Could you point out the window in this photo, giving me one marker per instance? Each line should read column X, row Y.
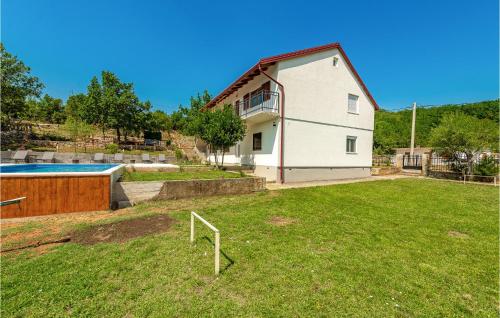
column 238, row 150
column 352, row 104
column 257, row 141
column 256, row 97
column 246, row 101
column 266, row 87
column 350, row 145
column 237, row 107
column 335, row 61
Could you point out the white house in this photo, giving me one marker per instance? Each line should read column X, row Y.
column 309, row 116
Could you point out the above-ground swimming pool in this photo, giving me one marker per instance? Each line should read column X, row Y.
column 51, row 188
column 55, row 168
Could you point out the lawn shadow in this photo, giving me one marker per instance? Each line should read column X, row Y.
column 229, row 259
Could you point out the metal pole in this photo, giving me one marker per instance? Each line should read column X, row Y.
column 413, row 128
column 217, row 253
column 192, row 228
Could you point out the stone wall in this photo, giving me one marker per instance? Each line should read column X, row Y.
column 383, row 171
column 67, row 157
column 177, row 189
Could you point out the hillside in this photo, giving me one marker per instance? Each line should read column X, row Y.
column 393, row 129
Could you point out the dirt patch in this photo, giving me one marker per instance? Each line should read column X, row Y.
column 457, row 234
column 123, row 231
column 281, row 221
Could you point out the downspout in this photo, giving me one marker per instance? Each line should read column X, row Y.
column 282, row 117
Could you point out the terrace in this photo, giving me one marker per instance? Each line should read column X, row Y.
column 259, row 106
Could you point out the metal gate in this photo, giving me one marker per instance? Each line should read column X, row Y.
column 412, row 162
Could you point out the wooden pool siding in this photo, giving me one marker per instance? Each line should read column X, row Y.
column 54, row 194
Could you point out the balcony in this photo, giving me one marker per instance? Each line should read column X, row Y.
column 258, row 107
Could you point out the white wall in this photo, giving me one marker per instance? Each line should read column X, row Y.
column 317, row 95
column 268, row 156
column 317, row 91
column 313, row 145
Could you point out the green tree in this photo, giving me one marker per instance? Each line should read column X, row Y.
column 159, row 121
column 75, row 106
column 462, row 136
column 93, row 111
column 51, row 110
column 113, row 104
column 78, row 130
column 183, row 118
column 393, row 129
column 17, row 84
column 220, row 129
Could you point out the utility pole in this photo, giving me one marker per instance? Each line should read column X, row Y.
column 413, row 128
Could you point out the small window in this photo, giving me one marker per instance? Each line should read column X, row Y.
column 352, row 104
column 225, row 149
column 350, row 145
column 335, row 61
column 237, row 107
column 257, row 141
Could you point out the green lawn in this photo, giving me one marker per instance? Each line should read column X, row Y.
column 404, row 248
column 185, row 175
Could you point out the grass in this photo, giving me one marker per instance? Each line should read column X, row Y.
column 185, row 175
column 372, row 249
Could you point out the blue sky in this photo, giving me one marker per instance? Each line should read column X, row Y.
column 432, row 52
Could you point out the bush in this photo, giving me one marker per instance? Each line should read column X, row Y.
column 112, row 148
column 488, row 166
column 178, row 154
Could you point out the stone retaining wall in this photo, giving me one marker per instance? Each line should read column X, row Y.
column 177, row 189
column 383, row 171
column 67, row 157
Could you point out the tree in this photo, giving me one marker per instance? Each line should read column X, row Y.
column 93, row 111
column 17, row 84
column 78, row 129
column 75, row 106
column 393, row 129
column 183, row 118
column 113, row 104
column 220, row 129
column 460, row 137
column 159, row 121
column 51, row 110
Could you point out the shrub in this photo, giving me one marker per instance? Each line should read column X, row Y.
column 112, row 148
column 488, row 166
column 178, row 154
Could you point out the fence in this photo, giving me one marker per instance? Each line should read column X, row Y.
column 383, row 161
column 480, row 170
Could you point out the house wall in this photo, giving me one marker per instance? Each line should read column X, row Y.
column 317, row 121
column 264, row 161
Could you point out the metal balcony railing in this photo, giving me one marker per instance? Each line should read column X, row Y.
column 263, row 101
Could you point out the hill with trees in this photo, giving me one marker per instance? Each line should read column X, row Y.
column 393, row 129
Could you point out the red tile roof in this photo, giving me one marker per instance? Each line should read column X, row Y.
column 268, row 61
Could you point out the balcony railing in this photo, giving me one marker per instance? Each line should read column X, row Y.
column 263, row 101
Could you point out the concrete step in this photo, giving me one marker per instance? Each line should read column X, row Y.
column 411, row 172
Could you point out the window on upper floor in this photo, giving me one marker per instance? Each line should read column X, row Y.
column 257, row 141
column 335, row 61
column 237, row 107
column 350, row 144
column 352, row 104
